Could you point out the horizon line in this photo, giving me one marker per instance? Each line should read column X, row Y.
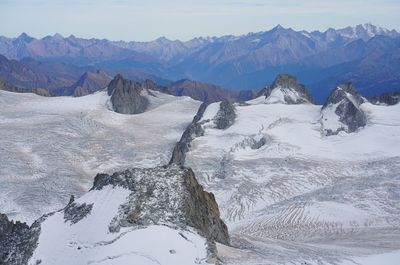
column 198, row 37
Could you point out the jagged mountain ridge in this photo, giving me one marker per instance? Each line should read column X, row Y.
column 286, row 89
column 164, row 48
column 239, row 62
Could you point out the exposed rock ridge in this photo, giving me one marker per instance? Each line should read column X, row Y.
column 344, row 102
column 193, row 130
column 292, row 91
column 166, row 195
column 126, row 96
column 225, row 116
column 17, row 241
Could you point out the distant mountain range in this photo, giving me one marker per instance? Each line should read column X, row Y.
column 367, row 55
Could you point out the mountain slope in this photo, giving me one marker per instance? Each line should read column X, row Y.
column 117, row 221
column 207, row 92
column 364, row 54
column 291, row 195
column 90, row 82
column 53, row 147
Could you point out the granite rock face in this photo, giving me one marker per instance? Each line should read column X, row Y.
column 166, row 195
column 17, row 241
column 192, row 131
column 126, row 96
column 225, row 116
column 286, row 89
column 344, row 102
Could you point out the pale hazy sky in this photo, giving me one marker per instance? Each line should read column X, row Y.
column 185, row 19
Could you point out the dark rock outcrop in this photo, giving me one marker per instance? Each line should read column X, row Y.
column 389, row 98
column 17, row 241
column 166, row 195
column 75, row 212
column 225, row 116
column 193, row 130
column 126, row 96
column 294, row 93
column 345, row 101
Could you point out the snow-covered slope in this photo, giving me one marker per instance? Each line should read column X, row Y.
column 290, row 194
column 141, row 216
column 51, row 148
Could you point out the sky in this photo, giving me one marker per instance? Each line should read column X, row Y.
column 185, row 19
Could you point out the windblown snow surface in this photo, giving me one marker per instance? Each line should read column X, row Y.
column 51, row 148
column 291, row 195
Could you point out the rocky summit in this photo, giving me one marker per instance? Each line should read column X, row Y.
column 126, row 96
column 166, row 195
column 342, row 110
column 286, row 89
column 119, row 206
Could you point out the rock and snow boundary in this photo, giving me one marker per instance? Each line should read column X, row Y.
column 139, row 216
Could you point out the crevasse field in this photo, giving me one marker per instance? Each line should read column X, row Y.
column 52, row 148
column 289, row 194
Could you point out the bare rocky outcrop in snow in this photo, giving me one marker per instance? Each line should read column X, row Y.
column 193, row 130
column 225, row 116
column 166, row 195
column 75, row 212
column 17, row 241
column 286, row 89
column 342, row 112
column 126, row 96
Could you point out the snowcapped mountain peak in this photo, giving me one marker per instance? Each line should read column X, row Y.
column 286, row 89
column 365, row 32
column 342, row 112
column 345, row 91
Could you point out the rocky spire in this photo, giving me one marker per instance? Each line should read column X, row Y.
column 286, row 89
column 126, row 96
column 342, row 112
